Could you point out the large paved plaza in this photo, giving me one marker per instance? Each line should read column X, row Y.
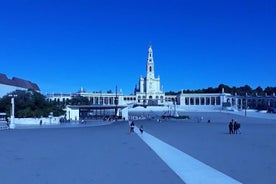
column 110, row 154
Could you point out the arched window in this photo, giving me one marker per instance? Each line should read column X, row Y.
column 213, row 100
column 105, row 100
column 162, row 99
column 202, row 101
column 233, row 101
column 218, row 100
column 187, row 101
column 139, row 99
column 191, row 101
column 197, row 101
column 208, row 101
column 150, row 68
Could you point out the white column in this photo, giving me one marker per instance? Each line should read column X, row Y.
column 12, row 125
column 200, row 100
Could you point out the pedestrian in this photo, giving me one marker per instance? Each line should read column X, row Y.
column 238, row 128
column 235, row 127
column 141, row 129
column 40, row 122
column 230, row 127
column 132, row 127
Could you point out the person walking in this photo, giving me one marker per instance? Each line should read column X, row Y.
column 230, row 126
column 132, row 125
column 238, row 128
column 141, row 129
column 235, row 127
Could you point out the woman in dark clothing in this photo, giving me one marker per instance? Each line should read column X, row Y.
column 230, row 127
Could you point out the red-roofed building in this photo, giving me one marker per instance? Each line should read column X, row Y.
column 9, row 85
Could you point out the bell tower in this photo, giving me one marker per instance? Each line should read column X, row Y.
column 150, row 64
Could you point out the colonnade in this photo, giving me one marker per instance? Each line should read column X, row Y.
column 217, row 99
column 202, row 100
column 253, row 102
column 100, row 100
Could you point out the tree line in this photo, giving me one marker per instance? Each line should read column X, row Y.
column 242, row 91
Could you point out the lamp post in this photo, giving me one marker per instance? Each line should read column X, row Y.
column 245, row 104
column 12, row 125
column 116, row 103
column 175, row 112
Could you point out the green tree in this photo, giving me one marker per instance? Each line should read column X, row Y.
column 79, row 100
column 270, row 90
column 29, row 104
column 259, row 90
column 232, row 90
column 226, row 88
column 171, row 93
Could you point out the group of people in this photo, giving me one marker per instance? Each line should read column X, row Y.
column 132, row 126
column 234, row 127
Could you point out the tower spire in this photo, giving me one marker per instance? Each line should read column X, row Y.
column 150, row 63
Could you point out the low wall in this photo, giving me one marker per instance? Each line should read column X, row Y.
column 36, row 121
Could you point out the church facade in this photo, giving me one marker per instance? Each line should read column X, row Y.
column 149, row 90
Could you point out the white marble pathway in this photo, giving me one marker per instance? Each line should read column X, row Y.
column 189, row 169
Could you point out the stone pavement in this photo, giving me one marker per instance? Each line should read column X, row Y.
column 110, row 154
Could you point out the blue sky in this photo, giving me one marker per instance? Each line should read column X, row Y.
column 63, row 45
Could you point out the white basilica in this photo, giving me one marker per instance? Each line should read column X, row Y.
column 149, row 91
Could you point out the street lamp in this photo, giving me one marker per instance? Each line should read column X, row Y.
column 12, row 125
column 116, row 103
column 245, row 104
column 175, row 112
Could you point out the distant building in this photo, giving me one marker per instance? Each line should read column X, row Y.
column 9, row 85
column 149, row 90
column 149, row 93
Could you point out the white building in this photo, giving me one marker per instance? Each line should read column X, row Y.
column 149, row 91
